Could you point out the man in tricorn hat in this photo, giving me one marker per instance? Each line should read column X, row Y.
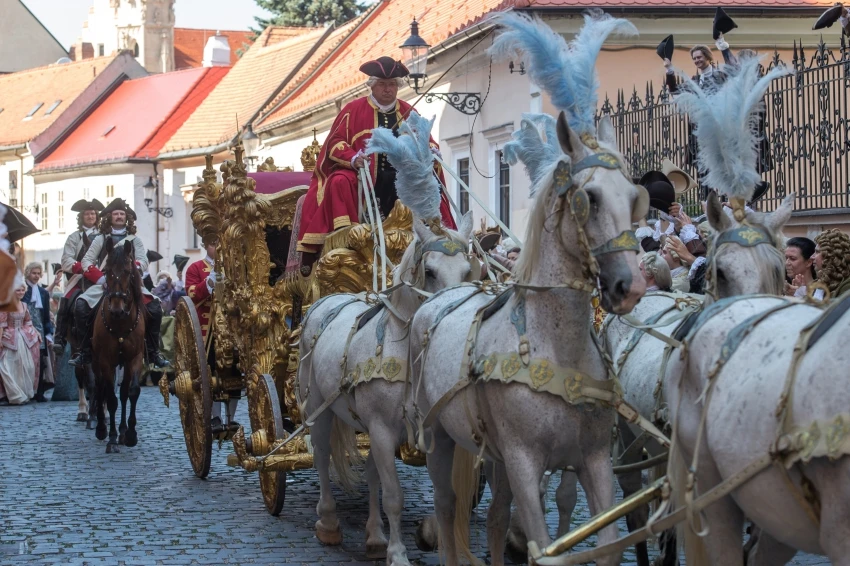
column 332, row 201
column 75, row 249
column 117, row 221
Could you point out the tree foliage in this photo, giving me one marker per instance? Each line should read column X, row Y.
column 307, row 12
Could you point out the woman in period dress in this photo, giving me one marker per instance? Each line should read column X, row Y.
column 19, row 354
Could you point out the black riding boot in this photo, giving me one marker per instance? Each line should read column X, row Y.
column 152, row 330
column 63, row 316
column 82, row 331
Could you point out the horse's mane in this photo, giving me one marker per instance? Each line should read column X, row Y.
column 115, row 265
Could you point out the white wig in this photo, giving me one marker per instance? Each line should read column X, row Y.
column 370, row 82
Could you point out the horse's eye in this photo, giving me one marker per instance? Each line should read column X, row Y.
column 720, row 275
column 429, row 273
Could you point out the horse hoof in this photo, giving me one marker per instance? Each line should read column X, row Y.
column 426, row 534
column 328, row 537
column 112, row 448
column 90, row 425
column 121, row 439
column 376, row 551
column 100, row 433
column 82, row 417
column 513, row 551
column 131, row 438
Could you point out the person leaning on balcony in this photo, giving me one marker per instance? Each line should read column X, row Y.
column 708, row 78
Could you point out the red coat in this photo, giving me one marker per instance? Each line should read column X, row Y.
column 197, row 290
column 331, row 201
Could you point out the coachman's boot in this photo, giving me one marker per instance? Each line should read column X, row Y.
column 82, row 330
column 152, row 330
column 63, row 315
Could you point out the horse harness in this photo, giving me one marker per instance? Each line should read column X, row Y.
column 389, row 368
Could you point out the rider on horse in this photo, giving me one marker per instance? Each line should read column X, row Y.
column 75, row 249
column 117, row 222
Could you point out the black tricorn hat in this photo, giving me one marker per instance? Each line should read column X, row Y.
column 153, row 256
column 488, row 240
column 722, row 24
column 384, row 68
column 760, row 190
column 119, row 204
column 829, row 17
column 56, row 267
column 82, row 205
column 180, row 261
column 662, row 195
column 665, row 48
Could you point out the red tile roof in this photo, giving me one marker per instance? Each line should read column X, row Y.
column 135, row 120
column 20, row 92
column 245, row 89
column 189, row 45
column 385, row 29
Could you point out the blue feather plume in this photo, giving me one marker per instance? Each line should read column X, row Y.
column 567, row 72
column 410, row 155
column 726, row 126
column 536, row 145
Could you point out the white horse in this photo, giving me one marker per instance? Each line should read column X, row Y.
column 738, row 270
column 354, row 369
column 545, row 327
column 762, row 406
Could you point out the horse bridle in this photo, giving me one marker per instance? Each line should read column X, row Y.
column 745, row 235
column 125, row 297
column 578, row 205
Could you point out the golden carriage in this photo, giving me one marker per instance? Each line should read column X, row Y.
column 255, row 318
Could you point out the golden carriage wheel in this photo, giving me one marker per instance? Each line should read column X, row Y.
column 264, row 410
column 192, row 386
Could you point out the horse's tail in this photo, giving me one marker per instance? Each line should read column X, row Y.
column 345, row 455
column 694, row 545
column 465, row 477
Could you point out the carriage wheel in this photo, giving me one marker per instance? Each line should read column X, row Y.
column 192, row 386
column 264, row 409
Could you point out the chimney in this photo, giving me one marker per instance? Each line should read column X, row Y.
column 81, row 50
column 217, row 52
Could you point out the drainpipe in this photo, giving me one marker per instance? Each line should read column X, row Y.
column 156, row 203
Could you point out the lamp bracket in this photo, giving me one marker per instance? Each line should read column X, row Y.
column 468, row 103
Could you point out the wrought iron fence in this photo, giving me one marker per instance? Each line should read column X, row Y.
column 807, row 132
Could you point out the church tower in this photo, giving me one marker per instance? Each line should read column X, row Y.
column 145, row 27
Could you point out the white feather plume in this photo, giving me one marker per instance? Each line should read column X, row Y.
column 536, row 145
column 726, row 126
column 410, row 155
column 567, row 72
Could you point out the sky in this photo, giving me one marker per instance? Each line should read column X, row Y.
column 64, row 18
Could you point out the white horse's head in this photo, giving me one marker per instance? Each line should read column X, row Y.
column 746, row 258
column 581, row 221
column 438, row 259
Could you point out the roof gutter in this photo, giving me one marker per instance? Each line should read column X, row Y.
column 671, row 11
column 466, row 34
column 197, row 151
column 316, row 108
column 14, row 146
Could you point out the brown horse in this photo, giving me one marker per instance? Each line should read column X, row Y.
column 119, row 341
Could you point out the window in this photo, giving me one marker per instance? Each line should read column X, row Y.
column 110, row 191
column 463, row 173
column 86, row 192
column 53, row 107
column 61, row 217
column 61, row 195
column 34, row 110
column 100, row 50
column 135, row 49
column 43, row 210
column 504, row 190
column 13, row 188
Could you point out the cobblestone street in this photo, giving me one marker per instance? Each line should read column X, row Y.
column 65, row 501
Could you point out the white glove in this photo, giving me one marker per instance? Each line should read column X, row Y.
column 721, row 43
column 844, row 20
column 436, row 151
column 101, row 281
column 669, row 66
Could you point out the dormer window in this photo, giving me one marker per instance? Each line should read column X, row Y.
column 53, row 107
column 33, row 111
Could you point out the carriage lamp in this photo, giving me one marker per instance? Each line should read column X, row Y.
column 251, row 143
column 415, row 51
column 151, row 190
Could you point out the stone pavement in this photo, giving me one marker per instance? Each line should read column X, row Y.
column 65, row 501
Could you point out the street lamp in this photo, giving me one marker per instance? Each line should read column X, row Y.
column 251, row 143
column 151, row 190
column 415, row 51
